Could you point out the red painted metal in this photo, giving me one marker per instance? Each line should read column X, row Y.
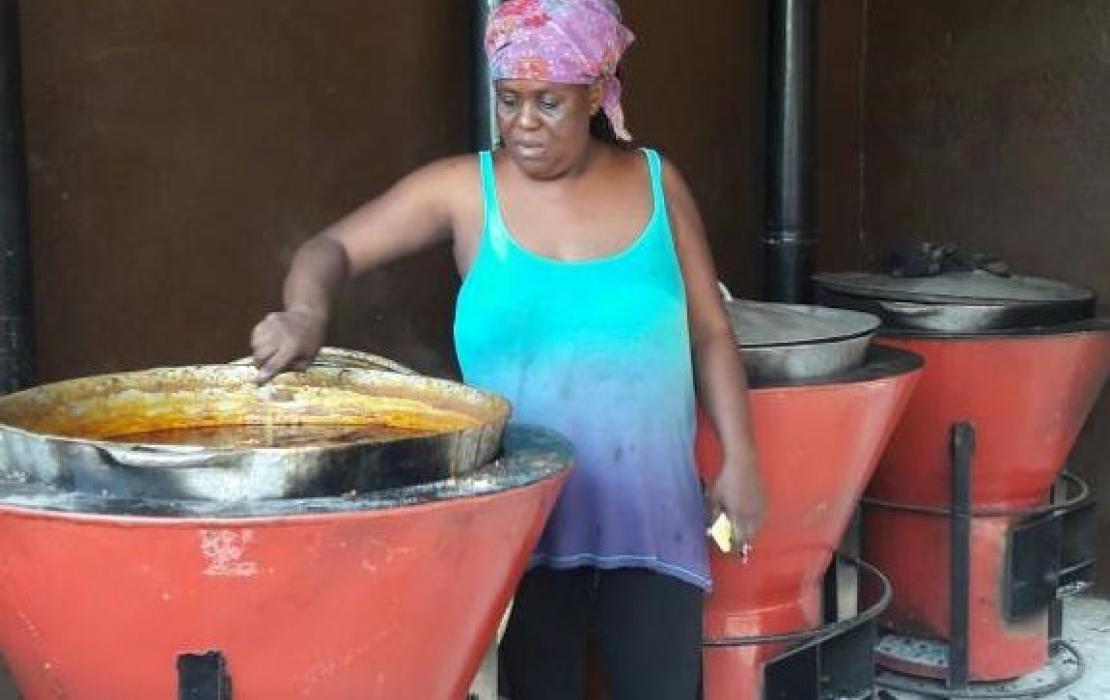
column 818, row 446
column 1028, row 397
column 395, row 603
column 913, row 551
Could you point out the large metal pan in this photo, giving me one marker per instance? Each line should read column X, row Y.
column 74, row 434
column 956, row 302
column 787, row 343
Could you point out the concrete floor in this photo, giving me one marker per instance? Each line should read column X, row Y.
column 1086, row 624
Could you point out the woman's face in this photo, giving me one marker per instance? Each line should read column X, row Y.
column 545, row 127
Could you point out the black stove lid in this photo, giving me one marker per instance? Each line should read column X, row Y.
column 977, row 287
column 962, row 303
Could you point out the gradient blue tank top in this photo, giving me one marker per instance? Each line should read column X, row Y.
column 600, row 351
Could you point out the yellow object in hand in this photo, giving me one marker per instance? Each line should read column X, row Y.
column 721, row 532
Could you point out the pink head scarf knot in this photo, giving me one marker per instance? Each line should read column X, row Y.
column 561, row 41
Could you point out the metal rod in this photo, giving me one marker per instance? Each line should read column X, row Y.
column 15, row 264
column 483, row 129
column 830, row 593
column 1055, row 622
column 1066, row 479
column 963, row 449
column 790, row 237
column 1056, row 607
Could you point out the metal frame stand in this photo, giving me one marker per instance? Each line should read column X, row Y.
column 834, row 661
column 963, row 448
column 1050, row 555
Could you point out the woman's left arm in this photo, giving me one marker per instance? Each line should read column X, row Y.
column 721, row 383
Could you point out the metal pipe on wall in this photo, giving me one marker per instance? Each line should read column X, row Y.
column 789, row 239
column 15, row 263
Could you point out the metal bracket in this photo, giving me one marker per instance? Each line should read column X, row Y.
column 203, row 677
column 835, row 662
column 962, row 450
column 840, row 667
column 1079, row 551
column 1048, row 557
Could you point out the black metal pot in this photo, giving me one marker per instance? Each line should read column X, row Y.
column 73, row 434
column 793, row 342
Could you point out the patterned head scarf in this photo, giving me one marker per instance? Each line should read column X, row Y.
column 561, row 41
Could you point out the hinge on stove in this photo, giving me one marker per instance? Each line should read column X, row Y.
column 1048, row 557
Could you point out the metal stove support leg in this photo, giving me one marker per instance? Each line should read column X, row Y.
column 963, row 449
column 1055, row 624
column 203, row 677
column 842, row 581
column 1056, row 607
column 835, row 666
column 835, row 661
column 830, row 592
column 849, row 579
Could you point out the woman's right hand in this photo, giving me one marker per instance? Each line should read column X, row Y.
column 413, row 214
column 287, row 340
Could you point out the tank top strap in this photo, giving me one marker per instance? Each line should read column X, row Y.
column 660, row 228
column 493, row 229
column 489, row 186
column 655, row 170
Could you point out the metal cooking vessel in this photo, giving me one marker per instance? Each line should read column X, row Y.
column 789, row 343
column 956, row 302
column 57, row 433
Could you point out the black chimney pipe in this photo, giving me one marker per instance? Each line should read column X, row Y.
column 481, row 90
column 15, row 292
column 790, row 237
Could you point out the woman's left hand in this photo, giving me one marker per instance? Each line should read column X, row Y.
column 738, row 493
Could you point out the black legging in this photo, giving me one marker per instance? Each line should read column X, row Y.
column 646, row 628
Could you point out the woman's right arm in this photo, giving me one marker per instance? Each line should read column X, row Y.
column 413, row 214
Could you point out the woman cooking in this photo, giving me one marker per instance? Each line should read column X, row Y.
column 589, row 299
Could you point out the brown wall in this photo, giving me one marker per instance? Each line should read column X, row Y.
column 987, row 124
column 179, row 152
column 695, row 82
